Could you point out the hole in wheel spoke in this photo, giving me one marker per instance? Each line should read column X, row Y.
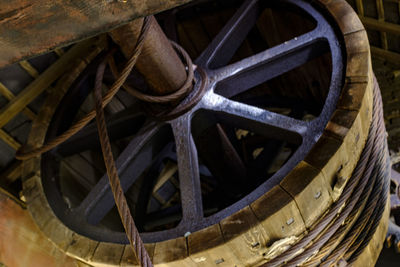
column 299, row 93
column 269, row 24
column 234, row 160
column 154, row 199
column 274, row 25
column 196, row 26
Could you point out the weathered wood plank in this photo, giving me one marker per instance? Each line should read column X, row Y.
column 206, row 248
column 311, row 191
column 10, row 96
column 106, row 254
column 344, row 15
column 83, row 247
column 28, row 27
column 9, row 140
column 389, row 56
column 382, row 26
column 129, row 259
column 29, row 68
column 245, row 236
column 279, row 215
column 171, row 253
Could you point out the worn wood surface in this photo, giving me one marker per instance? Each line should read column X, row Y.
column 246, row 236
column 31, row 27
column 22, row 243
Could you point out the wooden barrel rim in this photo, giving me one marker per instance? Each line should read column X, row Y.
column 283, row 213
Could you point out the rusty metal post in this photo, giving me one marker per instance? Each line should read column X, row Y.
column 159, row 63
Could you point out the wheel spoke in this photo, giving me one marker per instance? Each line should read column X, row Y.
column 188, row 169
column 119, row 125
column 252, row 71
column 225, row 44
column 133, row 161
column 256, row 119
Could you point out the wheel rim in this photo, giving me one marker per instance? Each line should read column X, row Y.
column 220, row 87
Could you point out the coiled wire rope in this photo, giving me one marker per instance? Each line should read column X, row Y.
column 346, row 229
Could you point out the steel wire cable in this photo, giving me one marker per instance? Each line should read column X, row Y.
column 121, row 77
column 357, row 229
column 333, row 250
column 24, row 155
column 329, row 217
column 176, row 95
column 370, row 178
column 343, row 216
column 385, row 191
column 365, row 237
column 112, row 173
column 338, row 242
column 100, row 102
column 345, row 227
column 361, row 233
column 366, row 190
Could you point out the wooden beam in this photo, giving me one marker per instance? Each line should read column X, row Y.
column 385, row 54
column 31, row 27
column 10, row 96
column 11, row 174
column 40, row 84
column 360, row 8
column 9, row 140
column 59, row 51
column 381, row 18
column 29, row 68
column 375, row 24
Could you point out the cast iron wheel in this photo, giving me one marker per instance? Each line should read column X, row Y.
column 227, row 208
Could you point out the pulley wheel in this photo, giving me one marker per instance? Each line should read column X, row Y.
column 284, row 114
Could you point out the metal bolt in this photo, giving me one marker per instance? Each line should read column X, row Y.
column 219, row 261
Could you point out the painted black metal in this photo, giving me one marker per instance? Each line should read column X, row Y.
column 223, row 82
